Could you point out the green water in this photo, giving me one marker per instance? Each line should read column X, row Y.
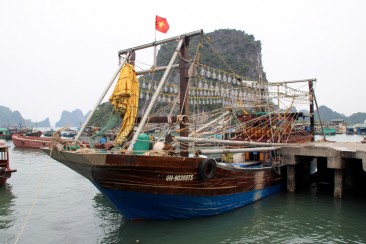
column 46, row 202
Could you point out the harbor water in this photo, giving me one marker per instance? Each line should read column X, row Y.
column 46, row 202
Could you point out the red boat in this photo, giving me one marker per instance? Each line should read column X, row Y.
column 31, row 141
column 23, row 141
column 5, row 171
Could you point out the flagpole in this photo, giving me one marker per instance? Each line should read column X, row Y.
column 154, row 62
column 155, row 28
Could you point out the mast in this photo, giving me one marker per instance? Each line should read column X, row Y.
column 154, row 98
column 184, row 96
column 162, row 81
column 312, row 115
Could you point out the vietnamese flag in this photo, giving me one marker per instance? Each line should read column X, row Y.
column 161, row 24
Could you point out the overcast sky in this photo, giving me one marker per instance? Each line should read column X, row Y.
column 59, row 55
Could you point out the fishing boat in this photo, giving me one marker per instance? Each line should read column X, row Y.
column 48, row 133
column 262, row 127
column 31, row 132
column 5, row 170
column 24, row 141
column 27, row 132
column 5, row 134
column 68, row 133
column 173, row 173
column 326, row 131
column 350, row 131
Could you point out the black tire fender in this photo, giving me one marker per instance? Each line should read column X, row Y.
column 207, row 169
column 276, row 169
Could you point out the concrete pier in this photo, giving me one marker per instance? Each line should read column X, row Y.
column 333, row 160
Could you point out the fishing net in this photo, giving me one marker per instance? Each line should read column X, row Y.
column 113, row 121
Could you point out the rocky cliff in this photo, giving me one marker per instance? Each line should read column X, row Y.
column 9, row 118
column 71, row 119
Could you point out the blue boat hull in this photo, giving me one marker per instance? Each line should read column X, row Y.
column 139, row 205
column 166, row 187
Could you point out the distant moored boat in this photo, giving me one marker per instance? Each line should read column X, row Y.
column 5, row 171
column 30, row 141
column 5, row 134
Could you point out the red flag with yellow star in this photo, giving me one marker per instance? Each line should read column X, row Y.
column 161, row 24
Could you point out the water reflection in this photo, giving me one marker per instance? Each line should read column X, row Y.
column 239, row 225
column 108, row 219
column 27, row 151
column 281, row 218
column 7, row 208
column 313, row 215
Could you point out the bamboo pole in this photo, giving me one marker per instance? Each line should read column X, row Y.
column 147, row 71
column 230, row 142
column 156, row 43
column 102, row 96
column 155, row 96
column 239, row 150
column 291, row 81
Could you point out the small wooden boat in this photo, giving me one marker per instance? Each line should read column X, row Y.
column 23, row 141
column 31, row 141
column 5, row 171
column 48, row 133
column 350, row 131
column 5, row 134
column 27, row 132
column 326, row 131
column 68, row 133
column 33, row 133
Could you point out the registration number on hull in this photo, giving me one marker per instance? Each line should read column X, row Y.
column 179, row 178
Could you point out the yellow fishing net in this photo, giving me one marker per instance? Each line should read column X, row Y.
column 125, row 99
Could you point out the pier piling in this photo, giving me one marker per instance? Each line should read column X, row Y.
column 291, row 178
column 338, row 183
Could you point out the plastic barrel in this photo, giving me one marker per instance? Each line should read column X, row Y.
column 142, row 144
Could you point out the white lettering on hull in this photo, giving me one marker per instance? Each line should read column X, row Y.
column 179, row 178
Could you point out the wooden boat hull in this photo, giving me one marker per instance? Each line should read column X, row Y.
column 5, row 137
column 140, row 205
column 31, row 141
column 5, row 174
column 155, row 187
column 5, row 171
